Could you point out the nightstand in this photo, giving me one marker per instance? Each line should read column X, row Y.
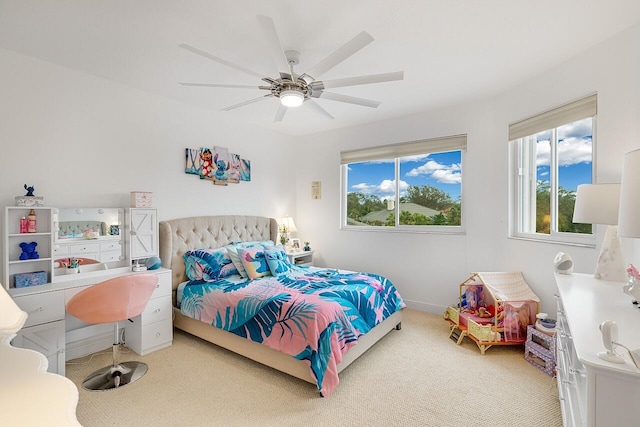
column 301, row 258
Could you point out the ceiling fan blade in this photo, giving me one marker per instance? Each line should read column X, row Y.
column 340, row 54
column 219, row 85
column 348, row 99
column 280, row 113
column 219, row 60
column 273, row 41
column 360, row 80
column 316, row 107
column 251, row 101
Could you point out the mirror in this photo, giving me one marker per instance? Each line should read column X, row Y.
column 89, row 223
column 88, row 239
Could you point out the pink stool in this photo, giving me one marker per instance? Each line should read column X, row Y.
column 110, row 301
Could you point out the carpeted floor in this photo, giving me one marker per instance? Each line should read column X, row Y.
column 413, row 377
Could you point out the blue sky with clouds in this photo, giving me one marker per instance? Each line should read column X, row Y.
column 575, row 148
column 441, row 170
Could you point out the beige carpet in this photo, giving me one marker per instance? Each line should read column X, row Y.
column 413, row 377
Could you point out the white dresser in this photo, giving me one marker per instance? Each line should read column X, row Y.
column 594, row 392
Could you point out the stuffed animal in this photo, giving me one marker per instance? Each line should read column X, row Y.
column 29, row 251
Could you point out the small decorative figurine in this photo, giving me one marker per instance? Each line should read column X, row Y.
column 306, row 246
column 30, row 189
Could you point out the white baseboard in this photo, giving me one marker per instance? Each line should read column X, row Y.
column 427, row 308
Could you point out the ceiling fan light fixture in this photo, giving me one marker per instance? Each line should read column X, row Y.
column 291, row 98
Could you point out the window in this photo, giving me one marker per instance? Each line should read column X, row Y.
column 414, row 185
column 552, row 153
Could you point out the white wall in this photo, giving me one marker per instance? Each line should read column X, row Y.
column 81, row 140
column 427, row 268
column 84, row 141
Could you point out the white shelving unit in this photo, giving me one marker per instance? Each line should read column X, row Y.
column 43, row 237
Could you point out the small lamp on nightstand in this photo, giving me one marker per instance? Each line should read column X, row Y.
column 598, row 204
column 286, row 226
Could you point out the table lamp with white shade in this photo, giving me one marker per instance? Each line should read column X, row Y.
column 598, row 204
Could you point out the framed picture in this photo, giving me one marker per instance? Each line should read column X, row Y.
column 295, row 245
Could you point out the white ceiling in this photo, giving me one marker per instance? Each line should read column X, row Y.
column 451, row 51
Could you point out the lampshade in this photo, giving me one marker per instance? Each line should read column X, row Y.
column 291, row 98
column 11, row 317
column 629, row 219
column 287, row 224
column 597, row 204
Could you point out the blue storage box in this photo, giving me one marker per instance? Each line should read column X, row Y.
column 22, row 280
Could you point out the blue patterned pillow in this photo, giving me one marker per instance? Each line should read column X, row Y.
column 208, row 264
column 254, row 261
column 232, row 250
column 277, row 260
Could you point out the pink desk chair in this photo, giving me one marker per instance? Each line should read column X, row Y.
column 110, row 301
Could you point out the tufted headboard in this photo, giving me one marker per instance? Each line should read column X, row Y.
column 182, row 234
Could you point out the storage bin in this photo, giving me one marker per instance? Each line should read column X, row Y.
column 23, row 280
column 141, row 199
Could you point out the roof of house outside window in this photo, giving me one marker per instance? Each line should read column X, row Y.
column 382, row 215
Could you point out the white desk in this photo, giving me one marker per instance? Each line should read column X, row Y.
column 594, row 392
column 61, row 337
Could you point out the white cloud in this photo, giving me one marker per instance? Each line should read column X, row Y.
column 571, row 151
column 446, row 174
column 383, row 190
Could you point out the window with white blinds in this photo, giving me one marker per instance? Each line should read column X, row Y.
column 411, row 185
column 551, row 154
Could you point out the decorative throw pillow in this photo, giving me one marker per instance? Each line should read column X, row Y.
column 208, row 264
column 277, row 260
column 232, row 250
column 254, row 262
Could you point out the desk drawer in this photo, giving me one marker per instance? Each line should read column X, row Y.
column 84, row 248
column 42, row 308
column 157, row 333
column 110, row 246
column 157, row 309
column 144, row 340
column 164, row 285
column 60, row 250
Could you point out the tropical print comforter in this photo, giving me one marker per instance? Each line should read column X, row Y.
column 310, row 313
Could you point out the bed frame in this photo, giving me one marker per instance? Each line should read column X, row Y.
column 180, row 235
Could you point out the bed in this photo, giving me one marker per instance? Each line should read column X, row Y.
column 187, row 235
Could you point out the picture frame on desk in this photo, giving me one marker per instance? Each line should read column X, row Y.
column 295, row 245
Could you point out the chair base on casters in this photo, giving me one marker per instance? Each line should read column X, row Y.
column 115, row 376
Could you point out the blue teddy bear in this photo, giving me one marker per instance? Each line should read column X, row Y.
column 29, row 251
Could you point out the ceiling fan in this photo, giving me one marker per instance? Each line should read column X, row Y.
column 295, row 89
